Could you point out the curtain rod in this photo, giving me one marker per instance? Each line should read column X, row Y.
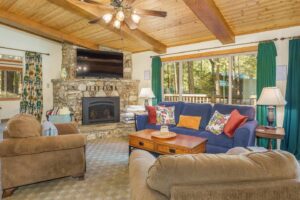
column 47, row 54
column 230, row 45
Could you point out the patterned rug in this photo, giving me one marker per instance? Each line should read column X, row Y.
column 106, row 177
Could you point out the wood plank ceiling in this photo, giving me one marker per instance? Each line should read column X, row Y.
column 181, row 26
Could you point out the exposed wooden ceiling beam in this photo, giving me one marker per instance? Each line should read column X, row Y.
column 212, row 18
column 92, row 11
column 28, row 25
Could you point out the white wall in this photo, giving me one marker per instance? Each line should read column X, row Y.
column 14, row 38
column 142, row 61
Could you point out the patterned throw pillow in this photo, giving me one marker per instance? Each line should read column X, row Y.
column 165, row 115
column 151, row 114
column 217, row 123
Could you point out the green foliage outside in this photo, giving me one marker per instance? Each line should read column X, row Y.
column 210, row 77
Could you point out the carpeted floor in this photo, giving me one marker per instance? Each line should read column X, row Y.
column 106, row 177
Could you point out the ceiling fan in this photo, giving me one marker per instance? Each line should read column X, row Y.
column 120, row 11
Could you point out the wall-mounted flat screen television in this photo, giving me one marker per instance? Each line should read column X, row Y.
column 99, row 64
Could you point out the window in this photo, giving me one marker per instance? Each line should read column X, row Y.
column 244, row 79
column 171, row 81
column 223, row 79
column 10, row 83
column 10, row 77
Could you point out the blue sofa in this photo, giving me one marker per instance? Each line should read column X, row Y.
column 244, row 136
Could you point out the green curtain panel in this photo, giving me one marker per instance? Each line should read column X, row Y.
column 32, row 95
column 291, row 124
column 156, row 79
column 266, row 77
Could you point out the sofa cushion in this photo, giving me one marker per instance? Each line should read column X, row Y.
column 34, row 145
column 192, row 122
column 178, row 108
column 165, row 115
column 185, row 131
column 23, row 126
column 218, row 140
column 67, row 128
column 235, row 120
column 195, row 169
column 248, row 111
column 151, row 114
column 217, row 122
column 195, row 109
column 156, row 127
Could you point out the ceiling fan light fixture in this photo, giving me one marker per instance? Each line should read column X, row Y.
column 117, row 24
column 136, row 18
column 107, row 17
column 120, row 15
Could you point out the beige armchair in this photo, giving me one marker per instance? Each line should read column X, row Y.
column 27, row 157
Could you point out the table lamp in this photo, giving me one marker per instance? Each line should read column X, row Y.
column 146, row 93
column 271, row 97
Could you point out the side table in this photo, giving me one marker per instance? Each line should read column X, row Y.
column 276, row 133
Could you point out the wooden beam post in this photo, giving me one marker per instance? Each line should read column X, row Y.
column 212, row 18
column 92, row 11
column 28, row 25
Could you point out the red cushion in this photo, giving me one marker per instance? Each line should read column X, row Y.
column 235, row 120
column 151, row 114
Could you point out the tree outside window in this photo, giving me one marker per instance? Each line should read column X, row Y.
column 227, row 79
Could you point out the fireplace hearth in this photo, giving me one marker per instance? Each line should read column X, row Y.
column 100, row 110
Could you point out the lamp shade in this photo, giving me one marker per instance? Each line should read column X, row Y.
column 146, row 93
column 271, row 96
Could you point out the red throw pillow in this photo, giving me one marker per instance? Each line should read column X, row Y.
column 151, row 114
column 235, row 120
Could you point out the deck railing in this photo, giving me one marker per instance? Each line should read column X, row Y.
column 203, row 98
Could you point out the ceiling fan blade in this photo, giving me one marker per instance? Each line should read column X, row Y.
column 155, row 13
column 129, row 2
column 99, row 5
column 94, row 21
column 131, row 25
column 93, row 2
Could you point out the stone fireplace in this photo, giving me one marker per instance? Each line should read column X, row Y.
column 76, row 93
column 71, row 93
column 100, row 110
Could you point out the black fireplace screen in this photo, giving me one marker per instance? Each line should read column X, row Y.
column 100, row 110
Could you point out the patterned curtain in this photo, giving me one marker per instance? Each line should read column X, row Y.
column 32, row 95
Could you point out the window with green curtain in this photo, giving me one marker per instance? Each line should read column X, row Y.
column 266, row 77
column 156, row 80
column 291, row 124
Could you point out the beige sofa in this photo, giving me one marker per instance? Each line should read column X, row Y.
column 27, row 157
column 272, row 175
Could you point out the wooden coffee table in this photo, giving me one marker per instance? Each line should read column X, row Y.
column 181, row 144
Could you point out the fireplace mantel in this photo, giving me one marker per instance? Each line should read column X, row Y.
column 70, row 92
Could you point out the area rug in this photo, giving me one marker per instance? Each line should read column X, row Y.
column 106, row 177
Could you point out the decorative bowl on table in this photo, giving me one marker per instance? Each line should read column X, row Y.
column 163, row 135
